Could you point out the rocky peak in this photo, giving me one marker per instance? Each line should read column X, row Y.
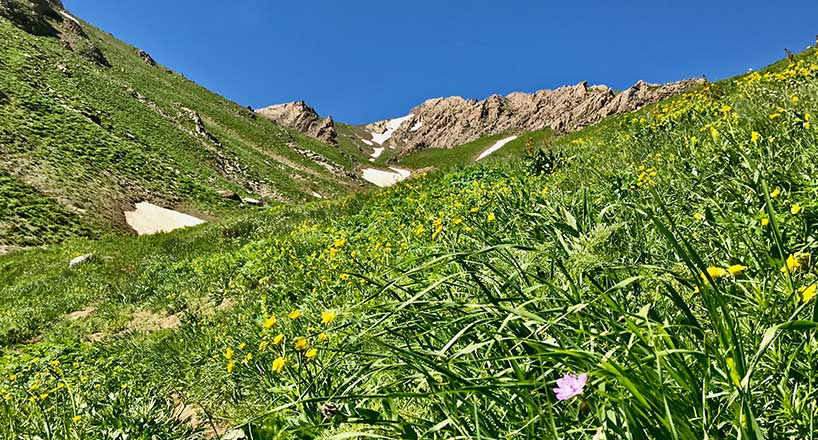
column 453, row 121
column 300, row 116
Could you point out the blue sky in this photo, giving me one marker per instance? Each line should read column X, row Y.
column 367, row 60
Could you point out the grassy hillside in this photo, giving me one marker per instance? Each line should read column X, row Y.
column 88, row 127
column 466, row 154
column 665, row 254
column 349, row 140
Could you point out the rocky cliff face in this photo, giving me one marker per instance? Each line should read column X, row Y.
column 301, row 117
column 449, row 122
column 49, row 18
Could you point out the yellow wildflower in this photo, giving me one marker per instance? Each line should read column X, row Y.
column 491, row 217
column 230, row 366
column 322, row 337
column 765, row 222
column 736, row 269
column 755, row 137
column 698, row 216
column 795, row 209
column 300, row 344
column 794, row 99
column 311, row 353
column 228, row 354
column 278, row 364
column 438, row 230
column 263, row 345
column 473, row 210
column 270, row 322
column 457, row 221
column 807, row 293
column 76, row 419
column 776, row 192
column 327, row 316
column 344, row 276
column 715, row 273
column 248, row 357
column 796, row 262
column 295, row 314
column 277, row 340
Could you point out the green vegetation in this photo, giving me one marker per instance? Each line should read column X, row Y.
column 666, row 255
column 467, row 153
column 29, row 218
column 88, row 124
column 349, row 141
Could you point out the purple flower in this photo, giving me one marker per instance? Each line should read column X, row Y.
column 570, row 385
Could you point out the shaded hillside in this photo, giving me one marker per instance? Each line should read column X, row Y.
column 93, row 125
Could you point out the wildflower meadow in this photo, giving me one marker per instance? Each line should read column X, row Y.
column 652, row 276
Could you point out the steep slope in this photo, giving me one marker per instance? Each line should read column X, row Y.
column 661, row 262
column 91, row 126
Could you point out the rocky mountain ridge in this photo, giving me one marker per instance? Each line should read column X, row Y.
column 449, row 122
column 299, row 116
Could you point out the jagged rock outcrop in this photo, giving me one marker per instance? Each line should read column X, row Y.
column 299, row 116
column 49, row 18
column 146, row 57
column 34, row 17
column 449, row 122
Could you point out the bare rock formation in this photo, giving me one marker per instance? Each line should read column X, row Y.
column 146, row 57
column 449, row 122
column 299, row 116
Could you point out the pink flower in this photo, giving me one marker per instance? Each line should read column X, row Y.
column 570, row 385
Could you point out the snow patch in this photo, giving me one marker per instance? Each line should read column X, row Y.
column 148, row 218
column 375, row 154
column 385, row 178
column 499, row 144
column 391, row 126
column 69, row 16
column 417, row 125
column 367, row 142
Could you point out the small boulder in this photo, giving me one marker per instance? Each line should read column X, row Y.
column 79, row 260
column 147, row 58
column 227, row 194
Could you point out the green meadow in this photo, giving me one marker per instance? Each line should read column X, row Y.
column 667, row 255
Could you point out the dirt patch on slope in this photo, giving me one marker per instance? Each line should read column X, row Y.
column 145, row 321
